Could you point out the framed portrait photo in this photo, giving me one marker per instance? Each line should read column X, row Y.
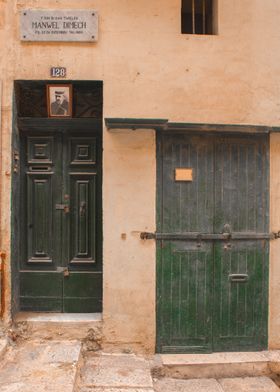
column 59, row 100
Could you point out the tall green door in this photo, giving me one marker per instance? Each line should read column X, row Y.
column 60, row 258
column 212, row 243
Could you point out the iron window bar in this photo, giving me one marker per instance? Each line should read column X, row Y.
column 199, row 15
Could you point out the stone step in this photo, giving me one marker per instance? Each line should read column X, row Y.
column 247, row 384
column 73, row 326
column 218, row 365
column 40, row 367
column 114, row 373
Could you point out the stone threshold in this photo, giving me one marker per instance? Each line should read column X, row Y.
column 72, row 326
column 221, row 365
column 58, row 317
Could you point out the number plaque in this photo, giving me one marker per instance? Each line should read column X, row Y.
column 58, row 72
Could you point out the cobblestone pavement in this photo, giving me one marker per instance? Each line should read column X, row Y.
column 128, row 373
column 61, row 366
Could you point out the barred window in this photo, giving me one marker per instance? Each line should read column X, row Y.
column 199, row 17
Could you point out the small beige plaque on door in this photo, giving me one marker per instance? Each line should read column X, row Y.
column 183, row 174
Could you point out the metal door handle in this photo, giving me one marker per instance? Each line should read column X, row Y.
column 82, row 208
column 64, row 207
column 241, row 278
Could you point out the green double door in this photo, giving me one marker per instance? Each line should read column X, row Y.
column 212, row 243
column 60, row 222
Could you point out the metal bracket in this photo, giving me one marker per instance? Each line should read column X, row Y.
column 147, row 236
column 275, row 235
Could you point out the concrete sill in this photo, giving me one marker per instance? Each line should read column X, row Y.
column 221, row 365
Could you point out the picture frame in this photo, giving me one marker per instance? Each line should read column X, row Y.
column 59, row 100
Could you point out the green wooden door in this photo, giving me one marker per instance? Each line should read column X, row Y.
column 60, row 262
column 212, row 250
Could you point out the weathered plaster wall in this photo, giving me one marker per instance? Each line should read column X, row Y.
column 149, row 70
column 129, row 263
column 7, row 72
column 274, row 273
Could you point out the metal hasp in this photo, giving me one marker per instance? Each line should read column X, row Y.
column 64, row 270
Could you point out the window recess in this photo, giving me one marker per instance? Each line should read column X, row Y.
column 199, row 17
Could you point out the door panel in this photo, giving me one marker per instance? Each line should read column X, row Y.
column 41, row 291
column 212, row 292
column 185, row 268
column 240, row 296
column 185, row 296
column 40, row 223
column 241, row 203
column 82, row 217
column 61, row 208
column 82, row 292
column 187, row 205
column 241, row 184
column 40, row 218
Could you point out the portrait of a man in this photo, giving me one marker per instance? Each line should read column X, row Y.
column 59, row 100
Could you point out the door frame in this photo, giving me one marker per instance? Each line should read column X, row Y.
column 159, row 211
column 27, row 124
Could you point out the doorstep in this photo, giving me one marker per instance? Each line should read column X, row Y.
column 73, row 326
column 219, row 365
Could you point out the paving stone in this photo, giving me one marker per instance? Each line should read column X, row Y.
column 117, row 377
column 93, row 389
column 3, row 346
column 248, row 384
column 39, row 367
column 62, row 353
column 35, row 387
column 125, row 360
column 116, row 371
column 199, row 385
column 14, row 387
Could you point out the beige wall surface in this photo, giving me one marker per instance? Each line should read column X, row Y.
column 149, row 70
column 274, row 272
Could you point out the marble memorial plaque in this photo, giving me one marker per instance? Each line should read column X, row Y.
column 59, row 25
